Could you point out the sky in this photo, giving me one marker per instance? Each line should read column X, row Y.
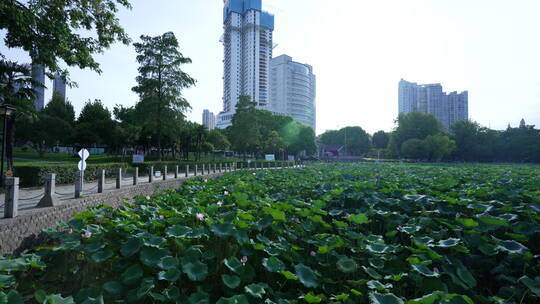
column 359, row 50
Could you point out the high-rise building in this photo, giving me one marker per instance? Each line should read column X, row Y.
column 208, row 120
column 38, row 75
column 247, row 41
column 430, row 99
column 59, row 86
column 292, row 90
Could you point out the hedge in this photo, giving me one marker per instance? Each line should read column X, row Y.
column 34, row 176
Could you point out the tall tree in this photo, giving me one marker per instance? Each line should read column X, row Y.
column 160, row 83
column 245, row 129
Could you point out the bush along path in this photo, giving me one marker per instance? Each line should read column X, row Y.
column 366, row 233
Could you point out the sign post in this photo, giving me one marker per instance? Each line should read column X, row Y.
column 83, row 154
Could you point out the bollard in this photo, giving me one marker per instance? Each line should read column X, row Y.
column 151, row 174
column 241, row 165
column 165, row 173
column 215, row 166
column 11, row 207
column 101, row 181
column 196, row 169
column 49, row 199
column 203, row 169
column 136, row 176
column 209, row 168
column 187, row 170
column 175, row 172
column 79, row 183
column 118, row 178
column 220, row 167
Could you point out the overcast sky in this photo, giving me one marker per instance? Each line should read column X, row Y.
column 359, row 50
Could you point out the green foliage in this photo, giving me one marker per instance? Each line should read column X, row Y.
column 415, row 125
column 354, row 139
column 380, row 139
column 94, row 125
column 35, row 176
column 50, row 31
column 260, row 131
column 330, row 233
column 160, row 84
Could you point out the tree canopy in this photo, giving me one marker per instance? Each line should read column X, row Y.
column 160, row 84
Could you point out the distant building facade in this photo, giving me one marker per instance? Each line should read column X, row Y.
column 209, row 120
column 247, row 41
column 38, row 75
column 292, row 90
column 59, row 86
column 430, row 99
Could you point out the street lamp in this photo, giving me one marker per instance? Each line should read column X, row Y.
column 5, row 112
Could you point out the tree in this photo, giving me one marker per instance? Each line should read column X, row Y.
column 94, row 125
column 244, row 132
column 438, row 146
column 414, row 148
column 160, row 84
column 355, row 139
column 414, row 125
column 60, row 108
column 380, row 139
column 51, row 126
column 218, row 140
column 274, row 143
column 68, row 30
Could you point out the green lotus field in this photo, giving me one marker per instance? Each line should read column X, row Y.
column 349, row 233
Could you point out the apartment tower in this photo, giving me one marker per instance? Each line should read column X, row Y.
column 247, row 41
column 430, row 99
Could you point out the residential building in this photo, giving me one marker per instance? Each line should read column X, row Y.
column 209, row 120
column 247, row 41
column 292, row 90
column 38, row 75
column 430, row 99
column 59, row 86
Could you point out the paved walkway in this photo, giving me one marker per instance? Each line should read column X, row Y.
column 30, row 197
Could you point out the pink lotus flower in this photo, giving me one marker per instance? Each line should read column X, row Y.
column 200, row 216
column 161, row 217
column 219, row 203
column 225, row 192
column 70, row 231
column 86, row 234
column 147, row 197
column 244, row 259
column 313, row 254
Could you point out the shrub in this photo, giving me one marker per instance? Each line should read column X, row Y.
column 33, row 176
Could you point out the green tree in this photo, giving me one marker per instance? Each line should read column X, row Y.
column 218, row 140
column 94, row 125
column 438, row 146
column 68, row 30
column 414, row 148
column 160, row 84
column 357, row 141
column 380, row 139
column 414, row 125
column 274, row 143
column 245, row 129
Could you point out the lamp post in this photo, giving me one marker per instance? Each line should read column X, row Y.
column 5, row 111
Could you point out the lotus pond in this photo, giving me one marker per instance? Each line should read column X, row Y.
column 362, row 233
